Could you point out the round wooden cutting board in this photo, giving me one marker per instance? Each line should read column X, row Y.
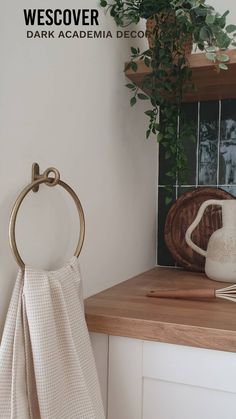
column 181, row 215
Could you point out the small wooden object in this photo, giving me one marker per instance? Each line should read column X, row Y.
column 227, row 293
column 183, row 294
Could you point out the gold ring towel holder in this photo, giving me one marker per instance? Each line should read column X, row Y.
column 37, row 180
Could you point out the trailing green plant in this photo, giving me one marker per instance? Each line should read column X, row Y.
column 176, row 23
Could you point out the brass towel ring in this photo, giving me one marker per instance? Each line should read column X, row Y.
column 37, row 180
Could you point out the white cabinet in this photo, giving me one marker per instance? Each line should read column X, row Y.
column 125, row 378
column 167, row 400
column 152, row 380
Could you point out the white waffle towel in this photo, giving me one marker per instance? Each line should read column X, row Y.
column 47, row 368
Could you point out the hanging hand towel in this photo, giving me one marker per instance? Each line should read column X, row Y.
column 47, row 369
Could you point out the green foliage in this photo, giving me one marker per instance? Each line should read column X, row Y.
column 176, row 21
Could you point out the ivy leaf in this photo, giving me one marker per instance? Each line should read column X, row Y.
column 153, row 102
column 113, row 11
column 128, row 66
column 134, row 66
column 204, row 34
column 211, row 49
column 134, row 50
column 133, row 100
column 223, row 40
column 103, row 3
column 211, row 56
column 223, row 66
column 130, row 86
column 147, row 62
column 210, row 19
column 149, row 113
column 230, row 28
column 226, row 13
column 179, row 12
column 148, row 132
column 223, row 58
column 159, row 137
column 221, row 22
column 200, row 11
column 168, row 200
column 142, row 96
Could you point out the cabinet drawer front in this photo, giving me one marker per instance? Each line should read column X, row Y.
column 192, row 366
column 163, row 400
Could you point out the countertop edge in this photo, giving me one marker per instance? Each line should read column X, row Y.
column 178, row 334
column 125, row 310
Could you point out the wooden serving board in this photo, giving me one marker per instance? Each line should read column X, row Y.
column 181, row 215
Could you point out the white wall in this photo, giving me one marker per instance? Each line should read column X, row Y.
column 223, row 6
column 63, row 103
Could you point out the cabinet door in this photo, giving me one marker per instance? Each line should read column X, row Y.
column 125, row 378
column 188, row 383
column 152, row 380
column 164, row 400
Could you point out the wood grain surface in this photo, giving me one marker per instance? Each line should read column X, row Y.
column 125, row 310
column 210, row 84
column 181, row 215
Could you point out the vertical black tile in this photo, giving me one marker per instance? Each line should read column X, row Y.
column 164, row 257
column 227, row 169
column 165, row 163
column 165, row 166
column 208, row 143
column 189, row 134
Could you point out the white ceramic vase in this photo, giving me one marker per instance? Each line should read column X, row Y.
column 221, row 251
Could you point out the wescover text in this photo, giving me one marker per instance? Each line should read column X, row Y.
column 59, row 17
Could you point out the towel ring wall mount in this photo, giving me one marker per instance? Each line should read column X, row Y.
column 37, row 180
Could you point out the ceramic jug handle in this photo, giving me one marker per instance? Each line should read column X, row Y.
column 196, row 222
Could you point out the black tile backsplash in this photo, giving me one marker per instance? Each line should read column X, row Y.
column 208, row 143
column 189, row 116
column 211, row 158
column 227, row 161
column 164, row 167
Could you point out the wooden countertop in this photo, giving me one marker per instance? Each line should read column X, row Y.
column 124, row 310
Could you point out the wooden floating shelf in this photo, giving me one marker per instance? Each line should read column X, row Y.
column 210, row 84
